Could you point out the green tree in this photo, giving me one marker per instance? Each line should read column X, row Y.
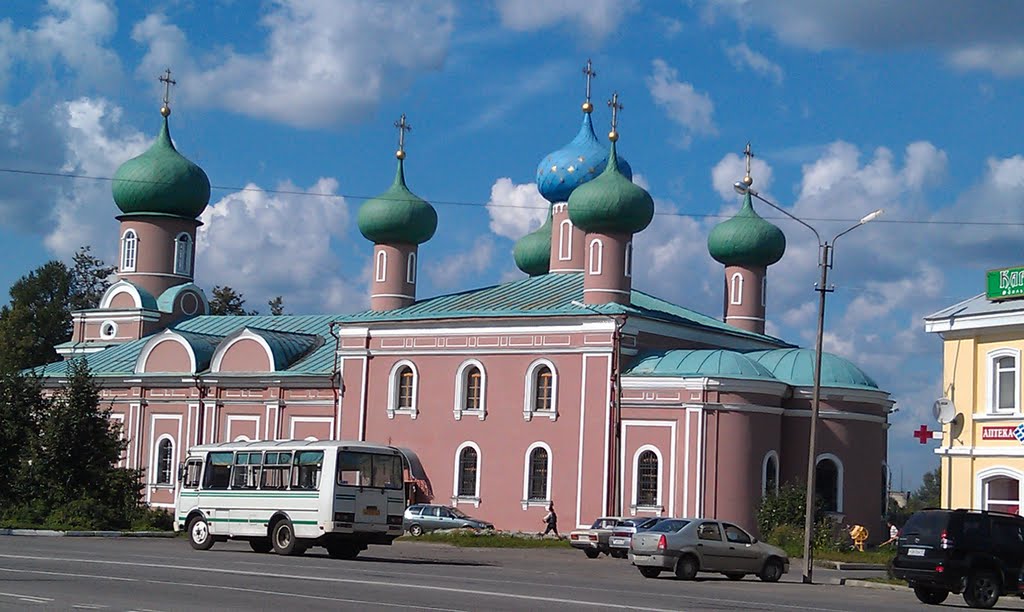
column 929, row 493
column 21, row 400
column 276, row 306
column 37, row 318
column 227, row 301
column 90, row 277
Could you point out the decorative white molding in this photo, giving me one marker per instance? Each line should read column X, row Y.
column 527, row 464
column 461, row 388
column 991, row 394
column 529, row 409
column 473, row 499
column 393, row 390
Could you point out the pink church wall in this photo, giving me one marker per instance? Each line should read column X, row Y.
column 661, row 436
column 749, row 313
column 568, row 242
column 390, row 285
column 606, row 282
column 168, row 356
column 154, row 270
column 123, row 300
column 245, row 356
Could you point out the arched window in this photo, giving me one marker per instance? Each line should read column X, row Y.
column 628, row 264
column 828, row 483
column 470, row 389
column 410, row 269
column 1000, row 490
column 647, row 479
column 403, row 390
column 541, row 395
column 770, row 474
column 537, row 489
column 736, row 289
column 565, row 240
column 1004, row 380
column 164, row 461
column 468, row 473
column 596, row 255
column 183, row 254
column 129, row 251
column 381, row 266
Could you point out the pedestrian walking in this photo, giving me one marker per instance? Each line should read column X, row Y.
column 551, row 520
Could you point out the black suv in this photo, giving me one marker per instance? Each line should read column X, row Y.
column 977, row 553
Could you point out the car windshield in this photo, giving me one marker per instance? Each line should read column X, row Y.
column 927, row 525
column 647, row 524
column 604, row 523
column 669, row 526
column 628, row 523
column 458, row 513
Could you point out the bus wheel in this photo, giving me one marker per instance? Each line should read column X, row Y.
column 342, row 550
column 199, row 534
column 283, row 538
column 262, row 545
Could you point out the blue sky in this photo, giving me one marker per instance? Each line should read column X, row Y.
column 908, row 106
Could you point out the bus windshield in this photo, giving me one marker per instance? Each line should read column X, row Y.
column 369, row 470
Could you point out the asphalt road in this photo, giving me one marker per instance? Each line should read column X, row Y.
column 40, row 573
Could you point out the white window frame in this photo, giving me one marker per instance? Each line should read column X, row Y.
column 529, row 410
column 183, row 254
column 380, row 266
column 410, row 269
column 565, row 240
column 627, row 265
column 736, row 289
column 839, row 477
column 658, row 506
column 462, row 499
column 461, row 382
column 594, row 265
column 129, row 250
column 154, row 464
column 772, row 454
column 526, row 501
column 764, row 290
column 993, row 393
column 982, row 478
column 393, row 388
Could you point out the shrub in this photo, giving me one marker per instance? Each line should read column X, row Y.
column 789, row 538
column 786, row 507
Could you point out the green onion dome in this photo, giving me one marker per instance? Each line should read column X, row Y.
column 533, row 251
column 746, row 239
column 398, row 215
column 161, row 181
column 611, row 202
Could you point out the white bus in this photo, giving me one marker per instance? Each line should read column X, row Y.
column 288, row 495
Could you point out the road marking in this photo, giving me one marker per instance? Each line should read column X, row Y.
column 89, row 606
column 28, row 598
column 46, row 573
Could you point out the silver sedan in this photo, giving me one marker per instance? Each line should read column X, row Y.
column 687, row 546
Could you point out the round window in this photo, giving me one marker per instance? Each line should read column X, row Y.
column 108, row 329
column 189, row 303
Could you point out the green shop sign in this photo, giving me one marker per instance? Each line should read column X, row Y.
column 1005, row 284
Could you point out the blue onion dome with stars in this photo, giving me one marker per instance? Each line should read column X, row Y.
column 398, row 216
column 532, row 252
column 577, row 162
column 611, row 203
column 161, row 181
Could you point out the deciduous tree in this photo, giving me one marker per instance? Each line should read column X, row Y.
column 227, row 301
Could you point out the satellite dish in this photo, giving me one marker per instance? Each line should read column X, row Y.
column 944, row 410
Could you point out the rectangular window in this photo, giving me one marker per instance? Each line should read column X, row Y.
column 405, row 388
column 246, row 472
column 306, row 470
column 370, row 470
column 218, row 470
column 473, row 390
column 276, row 467
column 542, row 399
column 1005, row 376
column 193, row 469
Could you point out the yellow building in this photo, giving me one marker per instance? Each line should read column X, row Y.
column 982, row 450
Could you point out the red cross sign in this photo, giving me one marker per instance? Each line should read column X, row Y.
column 923, row 434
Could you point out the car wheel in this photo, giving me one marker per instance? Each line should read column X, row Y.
column 734, row 576
column 650, row 572
column 982, row 590
column 261, row 545
column 342, row 550
column 199, row 535
column 415, row 530
column 772, row 570
column 591, row 553
column 283, row 538
column 931, row 596
column 619, row 554
column 686, row 567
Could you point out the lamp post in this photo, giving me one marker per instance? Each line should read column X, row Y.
column 826, row 250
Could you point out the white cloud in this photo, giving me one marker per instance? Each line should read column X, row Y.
column 516, row 210
column 743, row 56
column 597, row 18
column 320, row 64
column 684, row 105
column 732, row 168
column 266, row 244
column 458, row 268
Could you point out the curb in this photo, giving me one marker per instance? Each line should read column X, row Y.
column 52, row 533
column 851, row 566
column 873, row 585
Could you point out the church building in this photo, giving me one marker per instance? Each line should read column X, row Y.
column 569, row 385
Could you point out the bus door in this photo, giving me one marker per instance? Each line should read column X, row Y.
column 188, row 489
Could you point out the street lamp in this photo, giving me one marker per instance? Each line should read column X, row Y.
column 825, row 254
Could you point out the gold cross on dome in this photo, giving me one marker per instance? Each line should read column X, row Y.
column 749, row 154
column 403, row 127
column 616, row 107
column 166, row 79
column 588, row 70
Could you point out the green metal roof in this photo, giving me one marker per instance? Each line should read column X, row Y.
column 397, row 215
column 532, row 252
column 698, row 362
column 203, row 346
column 796, row 367
column 166, row 300
column 287, row 347
column 746, row 239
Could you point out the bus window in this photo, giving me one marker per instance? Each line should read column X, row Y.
column 218, row 470
column 246, row 472
column 192, row 471
column 348, row 469
column 306, row 470
column 369, row 470
column 387, row 471
column 276, row 467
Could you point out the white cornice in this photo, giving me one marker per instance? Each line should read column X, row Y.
column 701, row 383
column 989, row 451
column 976, row 321
column 477, row 327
